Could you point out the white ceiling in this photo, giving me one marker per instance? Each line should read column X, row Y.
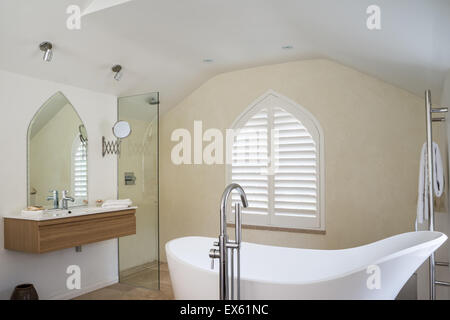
column 161, row 43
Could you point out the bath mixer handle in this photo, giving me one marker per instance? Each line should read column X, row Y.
column 213, row 254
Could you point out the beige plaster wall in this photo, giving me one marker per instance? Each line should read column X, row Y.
column 373, row 134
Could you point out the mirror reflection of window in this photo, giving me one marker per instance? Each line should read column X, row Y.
column 79, row 171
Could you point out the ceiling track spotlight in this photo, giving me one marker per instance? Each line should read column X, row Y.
column 48, row 52
column 117, row 69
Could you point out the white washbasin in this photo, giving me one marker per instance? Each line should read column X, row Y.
column 69, row 212
column 65, row 213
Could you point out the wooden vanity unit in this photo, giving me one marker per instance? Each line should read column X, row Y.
column 39, row 236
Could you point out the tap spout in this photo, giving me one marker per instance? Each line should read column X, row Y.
column 223, row 204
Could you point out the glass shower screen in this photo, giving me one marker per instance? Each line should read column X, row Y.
column 138, row 181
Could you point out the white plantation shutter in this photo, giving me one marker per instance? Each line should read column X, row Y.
column 80, row 173
column 249, row 159
column 296, row 177
column 288, row 193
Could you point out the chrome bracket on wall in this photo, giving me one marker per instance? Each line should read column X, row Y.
column 110, row 147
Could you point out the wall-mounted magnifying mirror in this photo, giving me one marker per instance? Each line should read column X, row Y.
column 121, row 129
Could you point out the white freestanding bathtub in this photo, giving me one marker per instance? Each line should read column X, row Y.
column 374, row 271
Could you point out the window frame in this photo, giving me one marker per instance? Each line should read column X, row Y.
column 272, row 99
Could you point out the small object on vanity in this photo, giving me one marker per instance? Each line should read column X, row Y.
column 24, row 292
column 117, row 204
column 32, row 211
column 98, row 203
column 130, row 178
column 85, row 202
column 34, row 208
column 121, row 129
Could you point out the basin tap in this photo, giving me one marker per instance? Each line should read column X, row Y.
column 65, row 198
column 55, row 198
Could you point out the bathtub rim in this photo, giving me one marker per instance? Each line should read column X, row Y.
column 394, row 255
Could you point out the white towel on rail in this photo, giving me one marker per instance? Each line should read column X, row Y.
column 438, row 172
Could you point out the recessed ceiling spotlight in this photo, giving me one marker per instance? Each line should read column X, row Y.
column 117, row 69
column 287, row 47
column 48, row 52
column 208, row 60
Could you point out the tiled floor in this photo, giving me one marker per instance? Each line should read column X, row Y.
column 145, row 276
column 122, row 291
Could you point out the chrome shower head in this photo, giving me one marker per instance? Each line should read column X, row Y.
column 153, row 101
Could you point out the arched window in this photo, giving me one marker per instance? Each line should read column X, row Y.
column 277, row 157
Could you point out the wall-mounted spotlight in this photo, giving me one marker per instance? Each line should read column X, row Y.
column 48, row 52
column 117, row 69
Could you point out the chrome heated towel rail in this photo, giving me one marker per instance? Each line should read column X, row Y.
column 429, row 185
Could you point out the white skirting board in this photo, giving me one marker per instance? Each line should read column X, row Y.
column 76, row 293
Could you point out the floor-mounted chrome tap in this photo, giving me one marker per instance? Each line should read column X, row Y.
column 227, row 247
